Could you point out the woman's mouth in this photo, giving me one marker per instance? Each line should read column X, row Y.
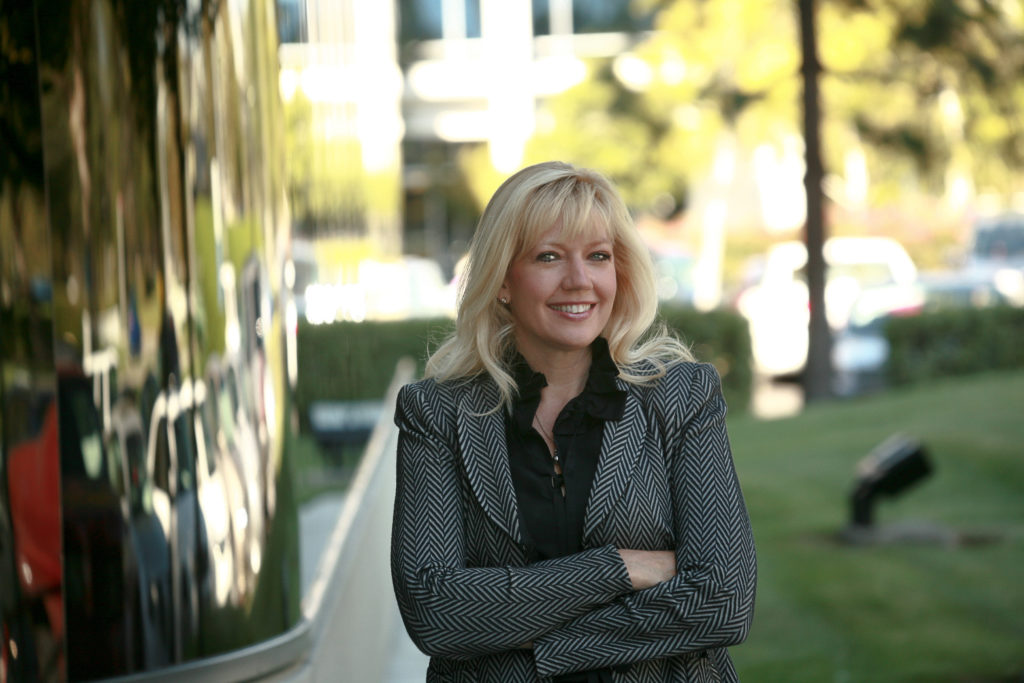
column 575, row 309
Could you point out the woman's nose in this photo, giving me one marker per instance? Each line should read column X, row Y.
column 576, row 276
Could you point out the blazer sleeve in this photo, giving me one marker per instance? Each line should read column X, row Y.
column 710, row 602
column 460, row 612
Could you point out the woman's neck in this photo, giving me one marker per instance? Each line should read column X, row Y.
column 566, row 374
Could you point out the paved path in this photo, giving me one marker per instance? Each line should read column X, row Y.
column 316, row 522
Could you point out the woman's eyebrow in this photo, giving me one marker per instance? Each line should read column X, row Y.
column 605, row 241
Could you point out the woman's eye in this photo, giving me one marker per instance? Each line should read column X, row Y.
column 601, row 256
column 547, row 256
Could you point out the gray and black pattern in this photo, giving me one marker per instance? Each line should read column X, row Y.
column 665, row 480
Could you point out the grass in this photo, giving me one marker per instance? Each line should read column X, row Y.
column 898, row 612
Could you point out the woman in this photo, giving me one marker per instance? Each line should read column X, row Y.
column 567, row 506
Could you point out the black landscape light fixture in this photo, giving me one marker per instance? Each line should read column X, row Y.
column 890, row 468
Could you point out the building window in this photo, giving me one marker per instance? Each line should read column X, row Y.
column 291, row 21
column 590, row 16
column 472, row 18
column 435, row 19
column 419, row 20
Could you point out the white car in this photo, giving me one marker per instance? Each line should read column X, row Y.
column 777, row 306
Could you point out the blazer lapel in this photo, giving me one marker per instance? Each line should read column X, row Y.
column 620, row 450
column 485, row 457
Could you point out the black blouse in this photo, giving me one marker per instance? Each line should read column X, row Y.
column 552, row 516
column 552, row 505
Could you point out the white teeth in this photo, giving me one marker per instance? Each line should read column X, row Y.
column 573, row 308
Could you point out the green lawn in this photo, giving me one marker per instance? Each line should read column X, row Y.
column 909, row 612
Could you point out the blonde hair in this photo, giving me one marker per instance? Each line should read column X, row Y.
column 525, row 206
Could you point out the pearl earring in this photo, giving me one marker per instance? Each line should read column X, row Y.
column 503, row 300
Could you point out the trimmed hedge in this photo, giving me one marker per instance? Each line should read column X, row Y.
column 348, row 361
column 720, row 337
column 954, row 342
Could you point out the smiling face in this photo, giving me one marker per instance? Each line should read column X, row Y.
column 561, row 292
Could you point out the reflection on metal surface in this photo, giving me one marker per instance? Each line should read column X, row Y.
column 143, row 522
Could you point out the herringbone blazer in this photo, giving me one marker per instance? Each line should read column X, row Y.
column 665, row 480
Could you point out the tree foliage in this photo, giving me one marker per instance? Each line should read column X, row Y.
column 322, row 173
column 931, row 85
column 602, row 124
column 329, row 190
column 920, row 87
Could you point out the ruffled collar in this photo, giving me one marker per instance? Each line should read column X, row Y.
column 601, row 397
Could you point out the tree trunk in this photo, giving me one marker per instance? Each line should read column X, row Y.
column 817, row 374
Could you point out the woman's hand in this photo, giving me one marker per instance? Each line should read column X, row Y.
column 649, row 567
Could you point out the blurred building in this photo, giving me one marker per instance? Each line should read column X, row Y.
column 424, row 79
column 477, row 72
column 340, row 56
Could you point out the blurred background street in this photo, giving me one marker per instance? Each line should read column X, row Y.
column 908, row 247
column 697, row 112
column 230, row 230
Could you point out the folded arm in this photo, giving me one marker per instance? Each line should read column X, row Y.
column 709, row 602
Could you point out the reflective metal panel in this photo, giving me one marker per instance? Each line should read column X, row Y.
column 31, row 598
column 143, row 379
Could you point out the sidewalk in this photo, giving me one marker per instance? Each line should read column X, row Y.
column 316, row 522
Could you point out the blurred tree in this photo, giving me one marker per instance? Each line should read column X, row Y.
column 921, row 96
column 925, row 95
column 652, row 118
column 817, row 378
column 933, row 89
column 322, row 175
column 479, row 174
column 603, row 124
column 330, row 192
column 929, row 92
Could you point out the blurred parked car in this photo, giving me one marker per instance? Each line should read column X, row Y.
column 997, row 251
column 32, row 528
column 777, row 305
column 412, row 287
column 860, row 350
column 675, row 272
column 409, row 287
